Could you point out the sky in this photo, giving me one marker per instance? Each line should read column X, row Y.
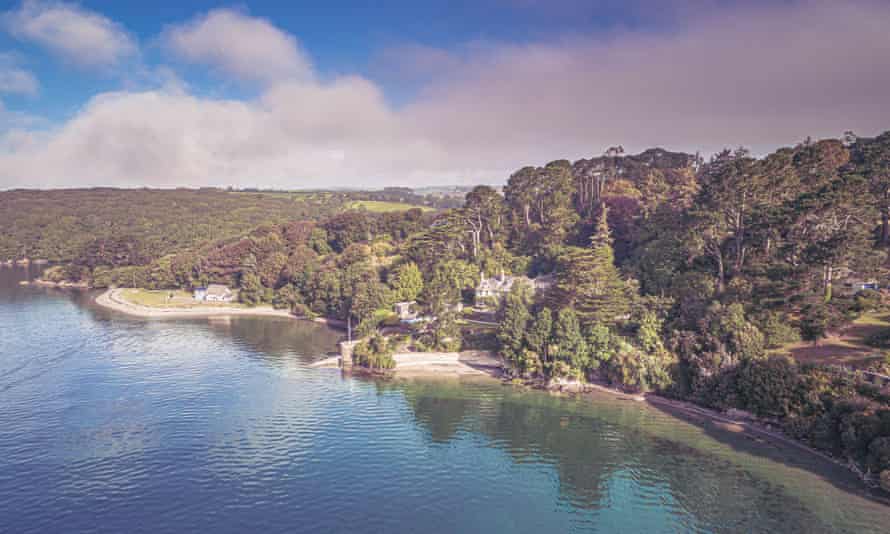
column 368, row 94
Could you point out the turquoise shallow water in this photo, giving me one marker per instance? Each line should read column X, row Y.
column 115, row 424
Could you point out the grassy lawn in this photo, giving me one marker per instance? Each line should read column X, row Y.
column 168, row 299
column 383, row 207
column 846, row 347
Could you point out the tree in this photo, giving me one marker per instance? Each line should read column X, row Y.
column 374, row 353
column 814, row 322
column 593, row 175
column 771, row 387
column 731, row 188
column 540, row 333
column 513, row 326
column 483, row 213
column 539, row 201
column 602, row 343
column 443, row 332
column 589, row 282
column 406, row 281
column 570, row 345
column 656, row 359
column 871, row 158
column 252, row 291
column 446, row 284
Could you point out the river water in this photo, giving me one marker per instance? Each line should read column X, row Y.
column 115, row 424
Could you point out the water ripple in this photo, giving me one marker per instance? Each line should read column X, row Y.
column 110, row 424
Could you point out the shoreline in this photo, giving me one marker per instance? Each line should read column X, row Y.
column 111, row 299
column 430, row 366
column 61, row 285
column 477, row 363
column 487, row 365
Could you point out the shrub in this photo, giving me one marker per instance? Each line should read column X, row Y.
column 879, row 340
column 778, row 330
column 814, row 322
column 879, row 454
column 771, row 387
column 868, row 300
column 718, row 391
column 374, row 353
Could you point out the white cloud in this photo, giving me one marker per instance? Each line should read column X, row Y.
column 14, row 79
column 247, row 47
column 78, row 35
column 745, row 76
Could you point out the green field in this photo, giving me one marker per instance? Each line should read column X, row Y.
column 169, row 299
column 383, row 207
column 847, row 347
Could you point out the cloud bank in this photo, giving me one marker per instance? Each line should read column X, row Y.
column 758, row 76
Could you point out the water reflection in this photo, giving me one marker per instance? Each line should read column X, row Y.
column 627, row 456
column 109, row 421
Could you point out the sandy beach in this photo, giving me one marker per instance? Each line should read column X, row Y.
column 113, row 299
column 432, row 364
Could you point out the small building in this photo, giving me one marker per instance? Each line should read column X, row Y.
column 851, row 282
column 494, row 288
column 213, row 293
column 851, row 286
column 405, row 310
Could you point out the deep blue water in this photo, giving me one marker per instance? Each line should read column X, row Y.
column 115, row 424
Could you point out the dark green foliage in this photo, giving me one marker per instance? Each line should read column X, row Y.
column 880, row 340
column 730, row 257
column 570, row 347
column 252, row 290
column 117, row 227
column 778, row 330
column 540, row 333
column 406, row 281
column 514, row 324
column 815, row 321
column 590, row 283
column 374, row 353
column 771, row 387
column 868, row 300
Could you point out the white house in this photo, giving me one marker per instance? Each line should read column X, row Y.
column 213, row 293
column 498, row 286
column 405, row 310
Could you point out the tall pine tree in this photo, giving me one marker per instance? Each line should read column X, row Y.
column 590, row 283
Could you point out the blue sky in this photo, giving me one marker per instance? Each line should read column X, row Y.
column 340, row 36
column 307, row 94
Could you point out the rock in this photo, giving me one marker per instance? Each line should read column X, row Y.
column 885, row 480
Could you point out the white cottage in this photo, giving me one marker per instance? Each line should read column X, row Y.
column 496, row 287
column 214, row 293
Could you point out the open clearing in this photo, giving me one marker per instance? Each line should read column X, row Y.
column 846, row 347
column 169, row 299
column 383, row 207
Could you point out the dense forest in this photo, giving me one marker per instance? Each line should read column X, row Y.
column 671, row 273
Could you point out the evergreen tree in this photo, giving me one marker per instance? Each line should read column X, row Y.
column 513, row 326
column 406, row 282
column 540, row 332
column 571, row 347
column 590, row 283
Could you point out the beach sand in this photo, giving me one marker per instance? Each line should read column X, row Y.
column 113, row 299
column 432, row 364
